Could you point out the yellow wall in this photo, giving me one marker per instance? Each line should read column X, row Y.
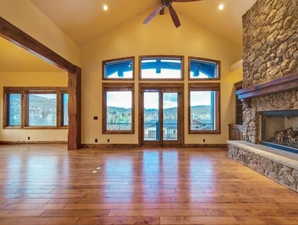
column 27, row 17
column 160, row 37
column 31, row 79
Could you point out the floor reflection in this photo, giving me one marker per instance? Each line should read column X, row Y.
column 201, row 178
column 115, row 169
column 151, row 176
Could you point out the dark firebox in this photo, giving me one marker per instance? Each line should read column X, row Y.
column 280, row 129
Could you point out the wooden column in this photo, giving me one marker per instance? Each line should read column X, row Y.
column 74, row 128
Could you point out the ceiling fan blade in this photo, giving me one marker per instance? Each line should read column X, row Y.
column 154, row 14
column 174, row 16
column 186, row 0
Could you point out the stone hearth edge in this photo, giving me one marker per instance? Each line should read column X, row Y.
column 282, row 167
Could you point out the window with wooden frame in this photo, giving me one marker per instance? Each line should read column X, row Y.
column 161, row 67
column 35, row 108
column 204, row 108
column 118, row 69
column 203, row 69
column 118, row 109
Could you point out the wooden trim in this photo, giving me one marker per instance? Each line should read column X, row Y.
column 161, row 88
column 279, row 85
column 206, row 87
column 136, row 146
column 114, row 60
column 5, row 109
column 217, row 62
column 31, row 142
column 238, row 85
column 161, row 56
column 25, row 92
column 158, row 86
column 17, row 36
column 36, row 89
column 117, row 87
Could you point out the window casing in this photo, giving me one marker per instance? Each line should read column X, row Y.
column 204, row 108
column 118, row 69
column 203, row 69
column 118, row 109
column 34, row 108
column 161, row 67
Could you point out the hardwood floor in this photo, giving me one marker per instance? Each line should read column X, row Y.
column 47, row 185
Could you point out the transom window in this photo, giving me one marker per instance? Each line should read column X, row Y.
column 204, row 113
column 118, row 109
column 119, row 69
column 161, row 67
column 203, row 69
column 35, row 108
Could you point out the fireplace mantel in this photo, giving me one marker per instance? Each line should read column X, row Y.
column 275, row 86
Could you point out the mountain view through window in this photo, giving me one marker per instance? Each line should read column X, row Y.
column 42, row 109
column 119, row 110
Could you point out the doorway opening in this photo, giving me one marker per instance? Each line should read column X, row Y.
column 13, row 34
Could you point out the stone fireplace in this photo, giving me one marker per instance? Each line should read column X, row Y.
column 270, row 91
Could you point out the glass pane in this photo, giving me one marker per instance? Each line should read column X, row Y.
column 119, row 69
column 42, row 109
column 151, row 116
column 14, row 109
column 200, row 69
column 203, row 110
column 119, row 110
column 170, row 116
column 161, row 68
column 65, row 98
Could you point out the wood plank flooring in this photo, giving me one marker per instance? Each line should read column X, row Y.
column 47, row 185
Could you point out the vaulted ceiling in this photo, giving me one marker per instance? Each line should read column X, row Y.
column 84, row 20
column 16, row 59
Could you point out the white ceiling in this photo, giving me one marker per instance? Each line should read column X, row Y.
column 83, row 20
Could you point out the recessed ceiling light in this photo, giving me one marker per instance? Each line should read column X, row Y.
column 221, row 6
column 105, row 7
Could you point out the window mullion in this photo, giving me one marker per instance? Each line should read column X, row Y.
column 25, row 109
column 59, row 109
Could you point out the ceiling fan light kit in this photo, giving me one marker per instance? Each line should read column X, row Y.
column 161, row 10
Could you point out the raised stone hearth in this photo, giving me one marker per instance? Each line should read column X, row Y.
column 279, row 166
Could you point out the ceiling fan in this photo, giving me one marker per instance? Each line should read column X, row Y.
column 161, row 10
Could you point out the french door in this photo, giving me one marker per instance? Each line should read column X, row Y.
column 162, row 120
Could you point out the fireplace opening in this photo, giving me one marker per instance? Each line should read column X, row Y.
column 280, row 130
